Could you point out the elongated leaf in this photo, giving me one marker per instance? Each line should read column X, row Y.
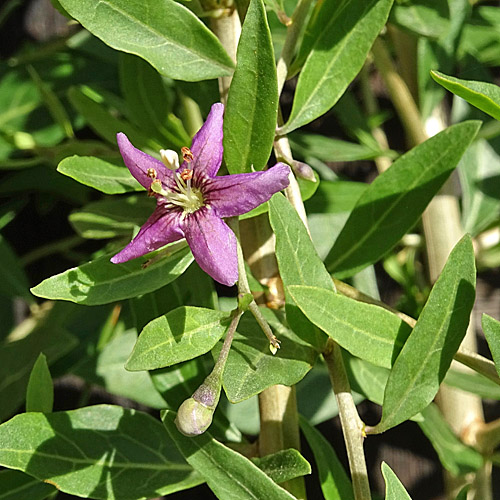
column 148, row 102
column 367, row 331
column 479, row 172
column 101, row 282
column 329, row 149
column 114, row 217
column 343, row 43
column 40, row 393
column 428, row 18
column 96, row 452
column 299, row 264
column 427, row 354
column 491, row 329
column 252, row 102
column 15, row 485
column 365, row 378
column 99, row 174
column 251, row 368
column 335, row 483
column 103, row 120
column 168, row 35
column 394, row 201
column 474, row 383
column 394, row 490
column 283, row 465
column 483, row 95
column 17, row 359
column 455, row 456
column 228, row 474
column 180, row 335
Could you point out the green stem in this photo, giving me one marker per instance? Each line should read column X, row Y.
column 244, row 287
column 400, row 95
column 352, row 426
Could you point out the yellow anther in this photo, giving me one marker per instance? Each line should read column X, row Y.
column 187, row 154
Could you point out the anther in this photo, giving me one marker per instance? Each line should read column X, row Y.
column 187, row 154
column 186, row 174
column 152, row 173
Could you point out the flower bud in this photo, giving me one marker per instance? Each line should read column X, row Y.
column 170, row 158
column 193, row 418
column 303, row 171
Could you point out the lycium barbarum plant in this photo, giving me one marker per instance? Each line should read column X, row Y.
column 285, row 168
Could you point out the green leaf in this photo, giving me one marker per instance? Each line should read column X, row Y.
column 366, row 331
column 394, row 201
column 484, row 96
column 168, row 35
column 474, row 383
column 328, row 211
column 366, row 378
column 148, row 102
column 427, row 354
column 15, row 485
column 251, row 368
column 114, row 217
column 394, row 490
column 228, row 474
column 479, row 172
column 330, row 149
column 97, row 452
column 180, row 335
column 335, row 483
column 40, row 392
column 101, row 282
column 103, row 120
column 283, row 465
column 107, row 369
column 491, row 329
column 99, row 174
column 455, row 456
column 298, row 262
column 343, row 43
column 14, row 282
column 252, row 102
column 428, row 18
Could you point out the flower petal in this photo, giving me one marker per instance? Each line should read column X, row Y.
column 213, row 245
column 237, row 194
column 139, row 162
column 207, row 144
column 162, row 227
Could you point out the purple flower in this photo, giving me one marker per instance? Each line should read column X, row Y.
column 192, row 200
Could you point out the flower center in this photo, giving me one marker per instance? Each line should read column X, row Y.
column 184, row 195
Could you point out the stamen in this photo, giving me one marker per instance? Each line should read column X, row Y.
column 187, row 154
column 152, row 173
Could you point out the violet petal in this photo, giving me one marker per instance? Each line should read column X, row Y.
column 139, row 162
column 207, row 144
column 213, row 245
column 237, row 194
column 162, row 227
